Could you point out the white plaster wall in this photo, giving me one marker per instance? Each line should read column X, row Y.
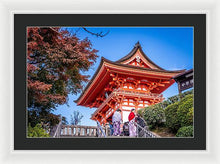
column 128, row 108
column 125, row 115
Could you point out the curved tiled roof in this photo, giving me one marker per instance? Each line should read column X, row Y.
column 119, row 63
column 133, row 51
column 142, row 68
column 123, row 65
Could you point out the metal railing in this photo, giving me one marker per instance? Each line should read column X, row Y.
column 143, row 131
column 58, row 130
column 100, row 131
column 146, row 133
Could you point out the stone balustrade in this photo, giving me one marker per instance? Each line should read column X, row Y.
column 79, row 131
column 70, row 131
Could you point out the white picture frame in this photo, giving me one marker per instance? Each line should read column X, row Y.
column 8, row 8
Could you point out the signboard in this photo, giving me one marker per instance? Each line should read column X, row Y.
column 184, row 80
column 186, row 84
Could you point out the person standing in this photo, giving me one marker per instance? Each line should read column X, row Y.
column 132, row 127
column 140, row 121
column 126, row 129
column 111, row 128
column 116, row 119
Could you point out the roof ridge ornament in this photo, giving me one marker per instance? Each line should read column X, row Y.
column 138, row 59
column 137, row 44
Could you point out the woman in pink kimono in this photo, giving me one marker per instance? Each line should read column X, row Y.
column 132, row 126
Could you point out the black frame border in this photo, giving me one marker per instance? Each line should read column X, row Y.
column 198, row 21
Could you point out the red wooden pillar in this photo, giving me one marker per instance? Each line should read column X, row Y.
column 136, row 105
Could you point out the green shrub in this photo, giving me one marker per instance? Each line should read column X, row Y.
column 186, row 131
column 182, row 95
column 172, row 121
column 154, row 116
column 190, row 115
column 165, row 103
column 184, row 108
column 174, row 99
column 141, row 112
column 37, row 131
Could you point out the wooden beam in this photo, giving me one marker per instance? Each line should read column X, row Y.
column 161, row 85
column 166, row 82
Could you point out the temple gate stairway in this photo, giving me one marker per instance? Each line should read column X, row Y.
column 77, row 131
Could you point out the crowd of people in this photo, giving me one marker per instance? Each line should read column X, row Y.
column 129, row 128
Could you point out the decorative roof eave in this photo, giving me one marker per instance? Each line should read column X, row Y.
column 90, row 82
column 133, row 51
column 102, row 64
column 142, row 68
column 183, row 74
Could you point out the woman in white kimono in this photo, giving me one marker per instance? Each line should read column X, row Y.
column 132, row 126
column 116, row 119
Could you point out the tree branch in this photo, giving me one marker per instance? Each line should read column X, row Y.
column 100, row 34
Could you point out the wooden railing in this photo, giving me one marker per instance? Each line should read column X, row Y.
column 79, row 131
column 105, row 102
column 139, row 93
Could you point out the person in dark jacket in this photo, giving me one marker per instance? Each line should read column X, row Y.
column 111, row 128
column 140, row 121
column 126, row 129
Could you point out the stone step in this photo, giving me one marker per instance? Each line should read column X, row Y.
column 70, row 136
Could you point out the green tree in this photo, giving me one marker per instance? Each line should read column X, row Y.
column 43, row 117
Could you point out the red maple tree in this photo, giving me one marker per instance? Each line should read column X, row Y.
column 56, row 59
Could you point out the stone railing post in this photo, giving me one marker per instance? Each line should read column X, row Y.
column 67, row 130
column 90, row 131
column 72, row 130
column 63, row 131
column 76, row 131
column 85, row 131
column 81, row 131
column 94, row 132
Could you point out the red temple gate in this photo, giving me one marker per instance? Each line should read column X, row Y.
column 134, row 81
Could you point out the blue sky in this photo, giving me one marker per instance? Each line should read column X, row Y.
column 169, row 47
